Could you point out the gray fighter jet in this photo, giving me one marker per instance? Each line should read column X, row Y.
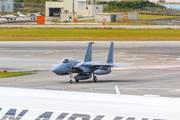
column 88, row 68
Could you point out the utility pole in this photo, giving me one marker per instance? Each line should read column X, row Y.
column 2, row 6
column 73, row 5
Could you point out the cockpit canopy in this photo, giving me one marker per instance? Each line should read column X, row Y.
column 66, row 60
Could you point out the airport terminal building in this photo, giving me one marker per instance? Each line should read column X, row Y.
column 6, row 6
column 81, row 7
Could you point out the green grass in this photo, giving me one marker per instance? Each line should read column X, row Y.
column 146, row 16
column 76, row 34
column 13, row 74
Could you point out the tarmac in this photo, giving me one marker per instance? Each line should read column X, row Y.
column 155, row 70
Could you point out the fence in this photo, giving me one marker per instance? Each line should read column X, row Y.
column 161, row 10
column 147, row 10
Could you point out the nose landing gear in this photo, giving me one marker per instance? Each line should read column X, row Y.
column 71, row 76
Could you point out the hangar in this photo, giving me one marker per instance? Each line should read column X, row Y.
column 6, row 6
column 81, row 7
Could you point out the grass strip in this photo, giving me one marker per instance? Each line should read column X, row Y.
column 13, row 74
column 146, row 16
column 76, row 34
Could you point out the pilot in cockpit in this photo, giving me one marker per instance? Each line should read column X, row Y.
column 66, row 60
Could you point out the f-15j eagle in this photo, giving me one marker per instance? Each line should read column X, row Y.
column 86, row 69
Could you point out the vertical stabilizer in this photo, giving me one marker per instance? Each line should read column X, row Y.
column 110, row 55
column 88, row 53
column 19, row 13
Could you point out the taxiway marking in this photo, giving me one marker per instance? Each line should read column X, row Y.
column 43, row 78
column 71, row 86
column 147, row 67
column 174, row 61
column 161, row 75
column 52, row 52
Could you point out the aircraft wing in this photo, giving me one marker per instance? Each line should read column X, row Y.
column 107, row 64
column 94, row 64
column 33, row 104
column 91, row 66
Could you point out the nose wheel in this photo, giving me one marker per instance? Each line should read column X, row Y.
column 95, row 79
column 71, row 76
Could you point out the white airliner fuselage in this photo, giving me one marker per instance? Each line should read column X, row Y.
column 27, row 104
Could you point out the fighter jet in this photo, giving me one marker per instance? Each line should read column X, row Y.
column 86, row 69
column 9, row 17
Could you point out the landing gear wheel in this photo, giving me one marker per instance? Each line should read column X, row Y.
column 77, row 80
column 95, row 79
column 70, row 76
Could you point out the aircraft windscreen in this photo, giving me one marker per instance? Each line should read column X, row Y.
column 66, row 60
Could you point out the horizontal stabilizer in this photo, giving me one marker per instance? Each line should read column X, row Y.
column 122, row 64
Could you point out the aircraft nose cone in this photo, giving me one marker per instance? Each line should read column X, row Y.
column 58, row 69
column 55, row 70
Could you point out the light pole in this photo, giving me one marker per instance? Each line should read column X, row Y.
column 2, row 6
column 73, row 5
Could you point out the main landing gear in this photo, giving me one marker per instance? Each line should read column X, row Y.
column 71, row 76
column 94, row 78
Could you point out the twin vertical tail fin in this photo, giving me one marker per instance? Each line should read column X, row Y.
column 110, row 55
column 88, row 56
